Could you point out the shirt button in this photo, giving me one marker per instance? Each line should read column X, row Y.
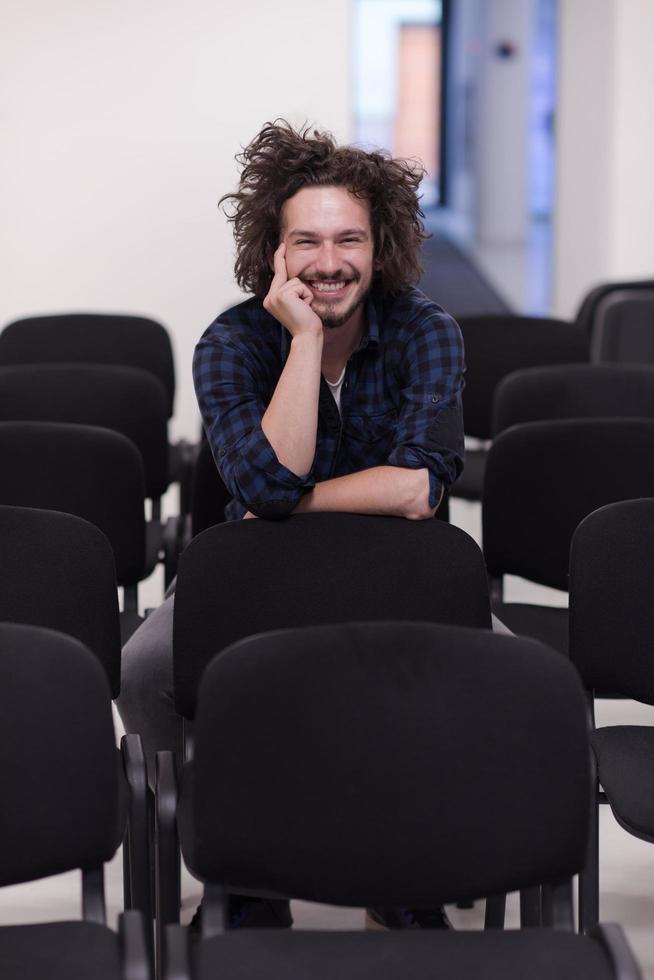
column 435, row 399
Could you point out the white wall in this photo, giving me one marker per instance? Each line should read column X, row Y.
column 501, row 169
column 605, row 147
column 120, row 124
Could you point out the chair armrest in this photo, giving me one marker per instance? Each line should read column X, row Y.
column 139, row 824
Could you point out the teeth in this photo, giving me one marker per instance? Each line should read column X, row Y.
column 327, row 287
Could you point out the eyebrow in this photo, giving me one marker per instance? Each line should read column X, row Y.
column 341, row 234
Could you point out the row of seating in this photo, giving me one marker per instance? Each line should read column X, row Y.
column 418, row 706
column 200, row 637
column 612, row 326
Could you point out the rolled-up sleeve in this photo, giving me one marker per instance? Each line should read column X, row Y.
column 430, row 420
column 229, row 394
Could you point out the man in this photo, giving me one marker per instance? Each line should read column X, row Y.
column 336, row 387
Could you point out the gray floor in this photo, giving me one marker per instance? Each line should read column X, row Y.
column 627, row 864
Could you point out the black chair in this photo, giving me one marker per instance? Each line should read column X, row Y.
column 61, row 806
column 102, row 338
column 611, row 632
column 364, row 751
column 127, row 400
column 92, row 338
column 574, row 391
column 542, row 479
column 246, row 577
column 494, row 347
column 616, row 317
column 91, row 472
column 57, row 572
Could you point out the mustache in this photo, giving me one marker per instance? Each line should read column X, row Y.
column 338, row 275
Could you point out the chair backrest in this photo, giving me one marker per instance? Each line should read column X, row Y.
column 91, row 472
column 585, row 318
column 387, row 764
column 246, row 577
column 59, row 772
column 623, row 327
column 209, row 495
column 93, row 338
column 612, row 599
column 497, row 345
column 543, row 478
column 574, row 391
column 128, row 400
column 57, row 571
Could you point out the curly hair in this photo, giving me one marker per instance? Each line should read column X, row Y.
column 280, row 161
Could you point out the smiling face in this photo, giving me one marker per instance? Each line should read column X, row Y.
column 329, row 246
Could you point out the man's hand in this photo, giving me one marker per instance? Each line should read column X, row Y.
column 289, row 300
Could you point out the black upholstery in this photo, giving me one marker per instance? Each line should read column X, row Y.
column 244, row 577
column 404, row 728
column 353, row 780
column 537, row 954
column 587, row 311
column 209, row 495
column 128, row 400
column 622, row 327
column 92, row 338
column 611, row 630
column 59, row 769
column 62, row 802
column 59, row 951
column 611, row 612
column 91, row 472
column 57, row 571
column 625, row 769
column 574, row 391
column 497, row 345
column 543, row 478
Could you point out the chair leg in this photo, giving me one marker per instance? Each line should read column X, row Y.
column 127, row 871
column 589, row 877
column 531, row 908
column 167, row 856
column 495, row 912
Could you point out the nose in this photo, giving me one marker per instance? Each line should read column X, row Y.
column 327, row 260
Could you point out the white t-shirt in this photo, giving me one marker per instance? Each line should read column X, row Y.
column 335, row 388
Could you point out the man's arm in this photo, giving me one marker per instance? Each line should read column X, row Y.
column 290, row 423
column 390, row 490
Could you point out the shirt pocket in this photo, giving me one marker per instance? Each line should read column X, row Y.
column 371, row 437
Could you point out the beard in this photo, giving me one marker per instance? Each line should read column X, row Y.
column 332, row 319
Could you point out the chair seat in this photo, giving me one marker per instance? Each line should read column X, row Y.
column 59, row 951
column 549, row 624
column 625, row 761
column 269, row 954
column 470, row 484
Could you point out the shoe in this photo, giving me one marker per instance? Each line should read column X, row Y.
column 390, row 918
column 250, row 913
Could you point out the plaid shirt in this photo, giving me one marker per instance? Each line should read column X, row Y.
column 400, row 401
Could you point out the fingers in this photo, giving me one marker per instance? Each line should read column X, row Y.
column 279, row 266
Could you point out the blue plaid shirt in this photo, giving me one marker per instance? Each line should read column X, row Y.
column 400, row 401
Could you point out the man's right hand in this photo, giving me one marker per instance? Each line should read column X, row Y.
column 289, row 300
